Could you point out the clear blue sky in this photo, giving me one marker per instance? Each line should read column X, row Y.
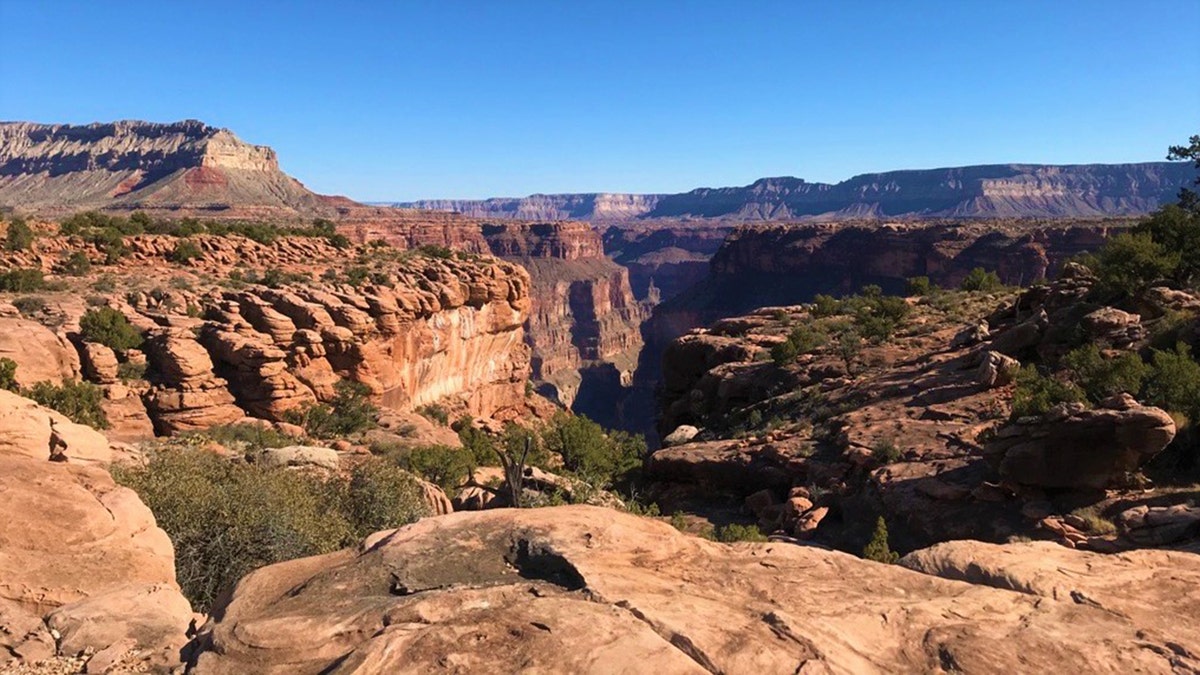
column 405, row 100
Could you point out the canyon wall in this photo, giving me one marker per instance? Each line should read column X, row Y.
column 142, row 165
column 420, row 329
column 584, row 321
column 986, row 191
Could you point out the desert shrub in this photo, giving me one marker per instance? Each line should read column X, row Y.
column 1174, row 382
column 441, row 465
column 357, row 275
column 435, row 413
column 477, row 442
column 826, row 305
column 227, row 519
column 737, row 532
column 77, row 264
column 886, row 451
column 1101, row 377
column 109, row 327
column 381, row 496
column 22, row 280
column 435, row 251
column 1094, row 522
column 801, row 340
column 350, row 411
column 248, row 436
column 131, row 370
column 877, row 548
column 111, row 242
column 8, row 374
column 19, row 236
column 79, row 401
column 1130, row 262
column 107, row 283
column 591, row 452
column 185, row 251
column 1036, row 394
column 920, row 286
column 980, row 279
column 276, row 278
column 849, row 346
column 29, row 305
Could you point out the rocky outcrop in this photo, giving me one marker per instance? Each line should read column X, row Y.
column 986, row 191
column 580, row 588
column 1073, row 447
column 143, row 165
column 40, row 353
column 83, row 567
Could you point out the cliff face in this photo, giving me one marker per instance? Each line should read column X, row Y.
column 988, row 191
column 421, row 329
column 584, row 320
column 130, row 164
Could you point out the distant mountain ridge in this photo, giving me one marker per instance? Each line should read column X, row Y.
column 131, row 164
column 984, row 191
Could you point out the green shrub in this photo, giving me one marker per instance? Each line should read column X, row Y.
column 29, row 305
column 130, row 371
column 886, row 451
column 350, row 411
column 980, row 279
column 801, row 340
column 849, row 346
column 1130, row 262
column 477, row 442
column 77, row 264
column 22, row 280
column 920, row 286
column 107, row 283
column 227, row 519
column 186, row 251
column 877, row 549
column 1101, row 377
column 435, row 251
column 19, row 236
column 441, row 465
column 1174, row 383
column 736, row 532
column 248, row 436
column 1177, row 230
column 357, row 275
column 109, row 327
column 589, row 451
column 435, row 413
column 111, row 242
column 8, row 374
column 381, row 496
column 1036, row 394
column 826, row 305
column 79, row 401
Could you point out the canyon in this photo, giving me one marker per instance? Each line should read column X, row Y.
column 662, row 314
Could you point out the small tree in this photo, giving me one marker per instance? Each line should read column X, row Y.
column 77, row 264
column 109, row 327
column 877, row 549
column 20, row 235
column 849, row 347
column 980, row 279
column 185, row 251
column 920, row 286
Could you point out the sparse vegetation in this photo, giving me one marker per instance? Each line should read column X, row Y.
column 8, row 374
column 22, row 280
column 29, row 305
column 78, row 401
column 349, row 412
column 228, row 518
column 886, row 451
column 435, row 413
column 78, row 264
column 734, row 532
column 185, row 251
column 109, row 327
column 982, row 280
column 19, row 236
column 801, row 340
column 1036, row 394
column 877, row 548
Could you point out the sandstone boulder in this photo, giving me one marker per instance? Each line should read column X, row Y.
column 298, row 456
column 996, row 369
column 1071, row 447
column 39, row 353
column 682, row 434
column 99, row 363
column 26, row 427
column 583, row 589
column 1112, row 326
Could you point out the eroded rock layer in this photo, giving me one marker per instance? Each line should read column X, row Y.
column 584, row 589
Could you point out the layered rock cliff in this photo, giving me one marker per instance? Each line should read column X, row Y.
column 987, row 191
column 142, row 165
column 415, row 329
column 584, row 320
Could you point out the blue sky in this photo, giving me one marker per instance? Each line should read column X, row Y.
column 406, row 100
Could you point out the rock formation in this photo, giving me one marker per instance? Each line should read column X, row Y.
column 83, row 567
column 582, row 589
column 988, row 191
column 131, row 164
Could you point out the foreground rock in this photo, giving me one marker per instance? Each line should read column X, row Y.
column 581, row 589
column 1072, row 447
column 83, row 567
